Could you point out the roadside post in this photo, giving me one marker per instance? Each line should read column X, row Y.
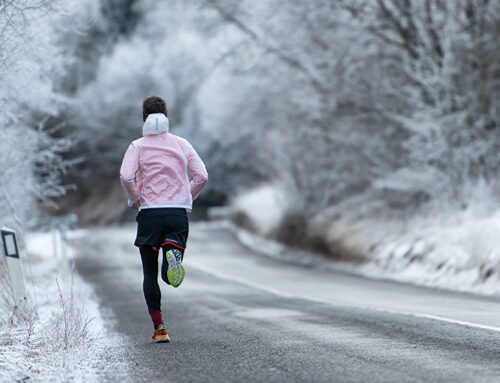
column 60, row 228
column 63, row 236
column 14, row 268
column 54, row 241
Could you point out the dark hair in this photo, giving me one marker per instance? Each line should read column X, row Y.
column 153, row 104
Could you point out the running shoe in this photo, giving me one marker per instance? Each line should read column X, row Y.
column 175, row 271
column 161, row 334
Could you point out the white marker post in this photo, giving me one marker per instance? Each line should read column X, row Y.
column 14, row 268
column 64, row 255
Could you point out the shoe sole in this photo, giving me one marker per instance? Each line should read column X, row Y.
column 175, row 272
column 164, row 340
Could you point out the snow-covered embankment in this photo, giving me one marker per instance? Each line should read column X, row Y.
column 459, row 250
column 64, row 340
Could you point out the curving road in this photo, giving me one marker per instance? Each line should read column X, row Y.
column 243, row 317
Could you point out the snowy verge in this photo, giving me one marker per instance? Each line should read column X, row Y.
column 259, row 210
column 66, row 339
column 459, row 251
column 371, row 269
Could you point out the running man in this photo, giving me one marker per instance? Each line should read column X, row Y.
column 154, row 175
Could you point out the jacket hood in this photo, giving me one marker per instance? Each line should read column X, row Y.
column 156, row 123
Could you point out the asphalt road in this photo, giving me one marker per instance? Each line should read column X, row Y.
column 243, row 317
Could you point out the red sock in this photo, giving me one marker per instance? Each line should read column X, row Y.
column 156, row 317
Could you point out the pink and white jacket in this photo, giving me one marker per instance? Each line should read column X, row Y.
column 155, row 168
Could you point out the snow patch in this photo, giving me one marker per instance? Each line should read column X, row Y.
column 67, row 338
column 459, row 251
column 263, row 206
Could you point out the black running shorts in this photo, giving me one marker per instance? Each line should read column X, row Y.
column 159, row 227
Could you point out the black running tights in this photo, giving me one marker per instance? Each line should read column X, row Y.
column 150, row 285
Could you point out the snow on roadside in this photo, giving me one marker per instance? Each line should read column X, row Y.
column 459, row 251
column 263, row 207
column 68, row 338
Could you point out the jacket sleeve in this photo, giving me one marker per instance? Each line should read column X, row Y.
column 197, row 170
column 128, row 172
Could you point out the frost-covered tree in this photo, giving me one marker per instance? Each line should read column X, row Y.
column 440, row 63
column 393, row 95
column 313, row 65
column 30, row 64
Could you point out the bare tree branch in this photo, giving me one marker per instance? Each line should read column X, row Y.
column 288, row 59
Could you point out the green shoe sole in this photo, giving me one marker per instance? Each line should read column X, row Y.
column 175, row 272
